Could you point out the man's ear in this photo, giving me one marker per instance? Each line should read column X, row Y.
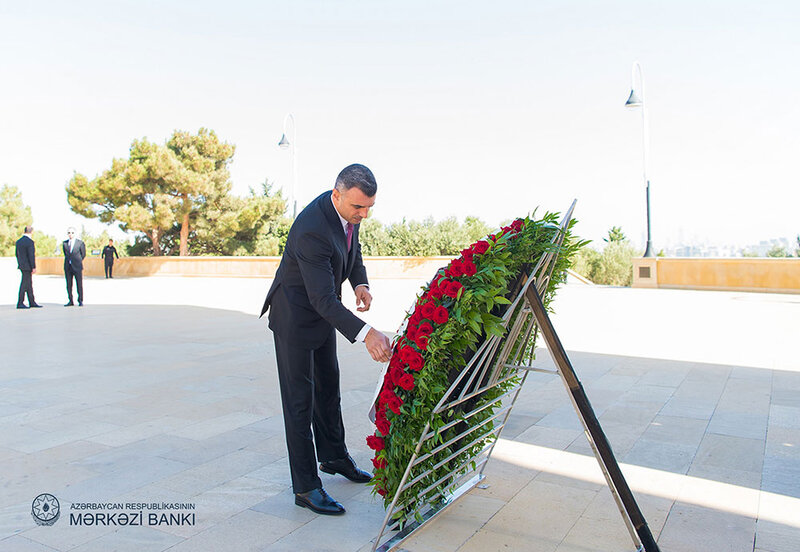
column 337, row 195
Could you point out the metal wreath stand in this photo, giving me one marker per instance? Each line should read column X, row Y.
column 498, row 361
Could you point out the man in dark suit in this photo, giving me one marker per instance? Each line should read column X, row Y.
column 305, row 310
column 74, row 253
column 26, row 262
column 108, row 257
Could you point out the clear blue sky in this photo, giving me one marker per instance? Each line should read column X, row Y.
column 489, row 109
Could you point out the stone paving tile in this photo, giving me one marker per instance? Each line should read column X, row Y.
column 784, row 416
column 353, row 530
column 21, row 544
column 206, row 476
column 781, row 476
column 691, row 528
column 725, row 451
column 15, row 518
column 783, row 442
column 133, row 539
column 741, row 478
column 738, row 424
column 246, row 531
column 62, row 536
column 662, row 456
column 121, row 481
column 464, row 519
column 554, row 508
column 676, row 430
column 195, row 452
column 777, row 537
column 685, row 407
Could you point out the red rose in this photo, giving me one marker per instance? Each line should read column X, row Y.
column 467, row 254
column 395, row 373
column 379, row 463
column 381, row 422
column 406, row 381
column 455, row 269
column 387, row 394
column 428, row 309
column 406, row 353
column 422, row 342
column 375, row 443
column 415, row 318
column 411, row 332
column 440, row 315
column 453, row 288
column 382, row 492
column 518, row 224
column 415, row 361
column 470, row 269
column 480, row 247
column 425, row 329
column 394, row 404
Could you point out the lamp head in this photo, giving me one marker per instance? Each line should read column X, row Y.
column 633, row 100
column 284, row 143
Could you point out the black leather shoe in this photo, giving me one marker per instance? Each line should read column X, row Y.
column 319, row 501
column 80, row 303
column 347, row 467
column 23, row 307
column 36, row 306
column 70, row 304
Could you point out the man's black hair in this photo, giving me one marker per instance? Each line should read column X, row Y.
column 360, row 177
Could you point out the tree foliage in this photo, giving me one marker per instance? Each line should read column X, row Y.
column 14, row 216
column 158, row 186
column 615, row 234
column 778, row 251
column 613, row 265
column 229, row 225
column 414, row 238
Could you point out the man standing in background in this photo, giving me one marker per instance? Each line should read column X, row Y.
column 108, row 257
column 26, row 262
column 74, row 253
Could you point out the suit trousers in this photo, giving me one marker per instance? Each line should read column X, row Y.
column 109, row 266
column 309, row 382
column 78, row 275
column 26, row 286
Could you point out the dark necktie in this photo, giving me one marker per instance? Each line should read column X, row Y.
column 349, row 229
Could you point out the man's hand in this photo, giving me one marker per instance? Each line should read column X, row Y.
column 363, row 298
column 33, row 271
column 378, row 345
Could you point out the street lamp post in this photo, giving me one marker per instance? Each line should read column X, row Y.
column 636, row 101
column 286, row 144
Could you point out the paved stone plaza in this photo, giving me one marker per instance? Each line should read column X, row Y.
column 165, row 390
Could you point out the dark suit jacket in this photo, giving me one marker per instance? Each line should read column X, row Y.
column 305, row 299
column 108, row 254
column 74, row 259
column 26, row 254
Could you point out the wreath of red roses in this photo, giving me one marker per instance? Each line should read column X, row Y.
column 408, row 357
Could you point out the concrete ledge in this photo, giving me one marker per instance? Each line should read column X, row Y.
column 238, row 267
column 738, row 274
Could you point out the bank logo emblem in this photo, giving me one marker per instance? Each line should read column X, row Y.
column 45, row 509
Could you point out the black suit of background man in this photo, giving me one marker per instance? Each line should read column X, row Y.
column 74, row 253
column 305, row 310
column 108, row 254
column 26, row 262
